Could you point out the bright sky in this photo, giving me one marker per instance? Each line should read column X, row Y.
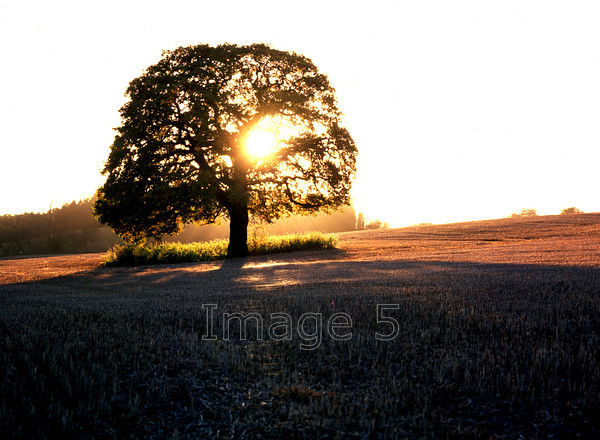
column 460, row 110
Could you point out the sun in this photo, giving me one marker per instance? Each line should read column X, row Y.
column 261, row 143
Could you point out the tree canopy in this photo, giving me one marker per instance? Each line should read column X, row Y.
column 571, row 210
column 180, row 153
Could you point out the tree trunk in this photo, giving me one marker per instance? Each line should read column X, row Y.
column 238, row 232
column 238, row 209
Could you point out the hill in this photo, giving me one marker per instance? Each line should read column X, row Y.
column 553, row 239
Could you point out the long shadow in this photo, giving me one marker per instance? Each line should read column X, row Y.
column 287, row 272
column 230, row 268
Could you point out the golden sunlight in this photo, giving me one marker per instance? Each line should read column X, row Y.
column 261, row 142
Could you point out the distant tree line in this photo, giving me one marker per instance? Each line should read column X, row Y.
column 339, row 221
column 525, row 212
column 72, row 228
column 362, row 223
column 69, row 229
column 530, row 212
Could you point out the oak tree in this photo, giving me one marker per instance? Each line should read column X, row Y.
column 181, row 152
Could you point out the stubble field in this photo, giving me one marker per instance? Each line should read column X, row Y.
column 494, row 333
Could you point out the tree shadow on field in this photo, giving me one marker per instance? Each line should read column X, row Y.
column 533, row 321
column 308, row 270
column 233, row 264
column 232, row 269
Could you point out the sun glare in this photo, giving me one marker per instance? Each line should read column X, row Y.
column 261, row 143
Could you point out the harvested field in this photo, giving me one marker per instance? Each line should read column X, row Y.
column 497, row 336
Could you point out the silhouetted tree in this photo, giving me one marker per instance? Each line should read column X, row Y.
column 525, row 212
column 179, row 155
column 377, row 224
column 360, row 221
column 571, row 210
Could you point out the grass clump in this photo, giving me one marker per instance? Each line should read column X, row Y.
column 273, row 244
column 167, row 253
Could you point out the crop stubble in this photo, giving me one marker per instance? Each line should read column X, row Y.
column 498, row 338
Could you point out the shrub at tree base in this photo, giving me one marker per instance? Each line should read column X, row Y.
column 166, row 253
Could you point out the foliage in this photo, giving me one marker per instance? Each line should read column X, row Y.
column 69, row 229
column 377, row 224
column 339, row 221
column 72, row 228
column 179, row 154
column 293, row 242
column 166, row 253
column 525, row 212
column 571, row 210
column 131, row 254
column 360, row 221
